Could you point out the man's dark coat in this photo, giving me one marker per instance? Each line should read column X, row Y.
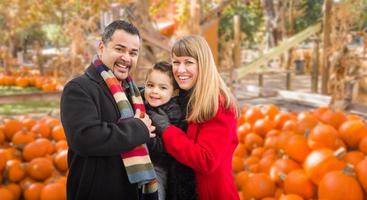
column 89, row 115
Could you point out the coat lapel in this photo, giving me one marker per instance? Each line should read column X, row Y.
column 92, row 73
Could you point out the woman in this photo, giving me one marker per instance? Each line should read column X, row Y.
column 208, row 145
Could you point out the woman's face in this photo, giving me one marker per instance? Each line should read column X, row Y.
column 185, row 70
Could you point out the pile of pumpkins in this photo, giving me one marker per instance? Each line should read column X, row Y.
column 314, row 154
column 30, row 78
column 33, row 158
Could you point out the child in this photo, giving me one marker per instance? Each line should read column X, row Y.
column 160, row 95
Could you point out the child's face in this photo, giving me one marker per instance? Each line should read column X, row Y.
column 158, row 88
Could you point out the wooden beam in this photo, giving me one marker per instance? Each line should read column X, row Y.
column 276, row 51
column 41, row 96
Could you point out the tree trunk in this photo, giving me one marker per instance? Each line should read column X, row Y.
column 327, row 45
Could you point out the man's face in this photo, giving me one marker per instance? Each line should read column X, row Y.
column 120, row 54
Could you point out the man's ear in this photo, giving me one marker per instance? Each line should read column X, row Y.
column 100, row 48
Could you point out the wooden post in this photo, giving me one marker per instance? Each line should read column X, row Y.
column 289, row 59
column 315, row 66
column 261, row 83
column 236, row 50
column 327, row 44
column 195, row 16
column 237, row 41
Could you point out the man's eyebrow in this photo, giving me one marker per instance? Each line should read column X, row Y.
column 123, row 46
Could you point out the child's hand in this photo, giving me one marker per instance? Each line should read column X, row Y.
column 145, row 118
column 160, row 120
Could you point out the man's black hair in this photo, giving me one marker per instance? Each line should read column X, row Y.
column 118, row 25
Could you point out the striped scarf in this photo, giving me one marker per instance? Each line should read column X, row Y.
column 137, row 162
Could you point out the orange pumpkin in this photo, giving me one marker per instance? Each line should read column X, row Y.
column 270, row 111
column 33, row 191
column 253, row 114
column 332, row 118
column 323, row 136
column 253, row 140
column 14, row 170
column 11, row 126
column 321, row 161
column 361, row 171
column 297, row 182
column 339, row 185
column 40, row 169
column 23, row 137
column 296, row 147
column 15, row 189
column 258, row 186
column 353, row 157
column 60, row 160
column 262, row 126
column 282, row 166
column 305, row 122
column 6, row 194
column 352, row 132
column 54, row 191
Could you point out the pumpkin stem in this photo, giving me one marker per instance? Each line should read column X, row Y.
column 349, row 170
column 282, row 176
column 340, row 153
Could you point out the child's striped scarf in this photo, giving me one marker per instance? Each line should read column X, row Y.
column 137, row 162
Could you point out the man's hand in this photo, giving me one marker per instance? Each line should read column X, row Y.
column 160, row 120
column 147, row 122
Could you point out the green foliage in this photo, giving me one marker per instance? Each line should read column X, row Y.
column 28, row 107
column 8, row 90
column 311, row 12
column 55, row 35
column 251, row 18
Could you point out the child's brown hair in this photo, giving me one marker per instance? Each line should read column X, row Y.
column 166, row 68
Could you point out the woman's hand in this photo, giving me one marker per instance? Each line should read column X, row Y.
column 160, row 120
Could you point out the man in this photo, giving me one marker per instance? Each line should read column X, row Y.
column 99, row 119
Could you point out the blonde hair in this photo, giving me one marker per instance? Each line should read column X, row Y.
column 203, row 103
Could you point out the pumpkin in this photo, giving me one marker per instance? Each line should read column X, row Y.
column 258, row 186
column 361, row 171
column 353, row 157
column 339, row 185
column 60, row 160
column 253, row 114
column 15, row 189
column 263, row 126
column 33, row 191
column 297, row 148
column 280, row 119
column 40, row 169
column 54, row 191
column 241, row 178
column 332, row 118
column 323, row 136
column 290, row 197
column 305, row 122
column 352, row 132
column 282, row 166
column 23, row 137
column 297, row 182
column 58, row 133
column 6, row 194
column 11, row 126
column 15, row 170
column 253, row 140
column 321, row 161
column 270, row 111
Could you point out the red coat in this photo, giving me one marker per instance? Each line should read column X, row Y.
column 208, row 149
